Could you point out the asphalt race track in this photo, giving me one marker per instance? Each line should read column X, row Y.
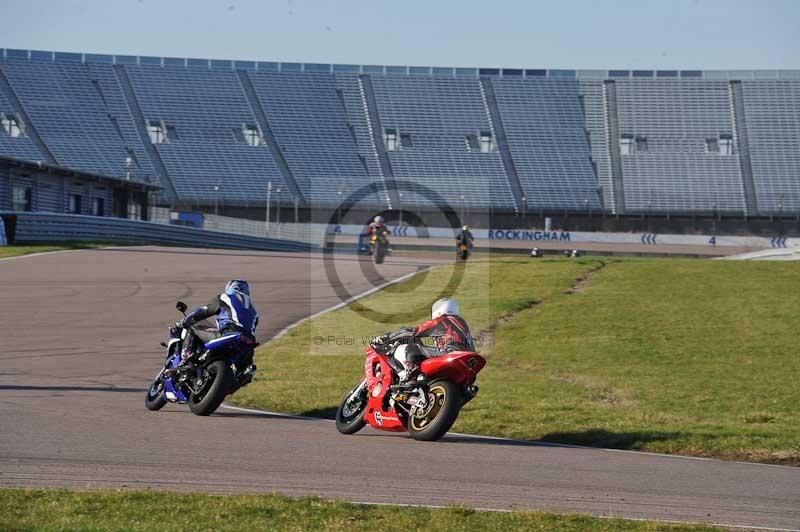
column 81, row 345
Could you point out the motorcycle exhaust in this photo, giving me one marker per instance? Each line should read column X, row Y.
column 469, row 393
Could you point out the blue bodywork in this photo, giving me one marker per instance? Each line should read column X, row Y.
column 228, row 340
column 232, row 347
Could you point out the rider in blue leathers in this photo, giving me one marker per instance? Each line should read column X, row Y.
column 234, row 313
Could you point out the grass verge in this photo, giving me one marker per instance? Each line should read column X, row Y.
column 16, row 251
column 691, row 357
column 150, row 510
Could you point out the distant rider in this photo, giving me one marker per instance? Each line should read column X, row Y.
column 465, row 237
column 448, row 329
column 234, row 312
column 378, row 227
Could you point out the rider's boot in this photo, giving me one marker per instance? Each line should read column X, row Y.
column 248, row 374
column 186, row 364
column 183, row 365
column 408, row 375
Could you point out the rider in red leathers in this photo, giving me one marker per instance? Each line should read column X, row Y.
column 448, row 329
column 378, row 227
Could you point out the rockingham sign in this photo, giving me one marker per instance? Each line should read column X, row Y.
column 535, row 236
column 578, row 237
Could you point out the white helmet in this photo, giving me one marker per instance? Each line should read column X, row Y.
column 444, row 307
column 378, row 220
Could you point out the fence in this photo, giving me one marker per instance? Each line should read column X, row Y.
column 314, row 233
column 307, row 233
column 43, row 227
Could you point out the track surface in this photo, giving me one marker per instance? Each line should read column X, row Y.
column 81, row 344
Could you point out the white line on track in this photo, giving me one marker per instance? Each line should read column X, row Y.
column 441, row 507
column 55, row 252
column 282, row 332
column 536, row 443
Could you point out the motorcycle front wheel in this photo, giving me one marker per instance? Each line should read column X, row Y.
column 444, row 400
column 218, row 378
column 350, row 415
column 380, row 254
column 156, row 397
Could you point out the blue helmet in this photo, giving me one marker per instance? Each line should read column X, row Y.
column 238, row 285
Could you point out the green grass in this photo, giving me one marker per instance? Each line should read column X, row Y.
column 148, row 510
column 693, row 357
column 676, row 356
column 16, row 251
column 301, row 375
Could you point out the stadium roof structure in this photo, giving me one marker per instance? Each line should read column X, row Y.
column 133, row 184
column 276, row 66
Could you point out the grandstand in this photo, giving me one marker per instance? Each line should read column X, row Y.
column 508, row 142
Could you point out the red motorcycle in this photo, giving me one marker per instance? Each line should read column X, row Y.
column 426, row 407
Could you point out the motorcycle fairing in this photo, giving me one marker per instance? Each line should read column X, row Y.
column 378, row 413
column 461, row 367
column 173, row 394
column 222, row 341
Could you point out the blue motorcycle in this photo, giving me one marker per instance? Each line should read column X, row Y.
column 224, row 366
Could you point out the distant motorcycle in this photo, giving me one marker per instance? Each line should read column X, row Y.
column 426, row 408
column 463, row 251
column 223, row 368
column 380, row 246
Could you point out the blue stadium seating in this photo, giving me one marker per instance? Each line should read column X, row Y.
column 22, row 146
column 772, row 109
column 103, row 74
column 322, row 132
column 310, row 124
column 68, row 112
column 207, row 108
column 546, row 134
column 676, row 173
column 438, row 114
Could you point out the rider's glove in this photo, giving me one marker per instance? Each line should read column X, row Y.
column 187, row 322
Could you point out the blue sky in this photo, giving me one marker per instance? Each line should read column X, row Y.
column 692, row 34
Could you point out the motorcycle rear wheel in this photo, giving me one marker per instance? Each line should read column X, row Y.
column 156, row 397
column 444, row 404
column 350, row 422
column 215, row 393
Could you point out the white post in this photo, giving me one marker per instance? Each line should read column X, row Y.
column 278, row 207
column 269, row 202
column 400, row 197
column 216, row 200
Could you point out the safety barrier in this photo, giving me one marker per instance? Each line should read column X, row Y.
column 308, row 233
column 24, row 227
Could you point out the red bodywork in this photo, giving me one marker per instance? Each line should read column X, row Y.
column 460, row 367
